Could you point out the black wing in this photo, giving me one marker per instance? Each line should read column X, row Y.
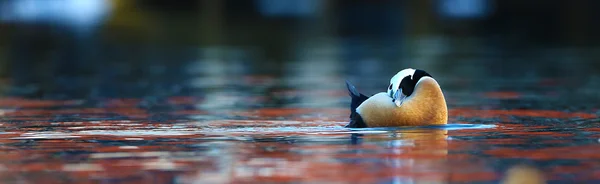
column 356, row 120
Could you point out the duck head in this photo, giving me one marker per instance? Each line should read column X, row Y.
column 403, row 84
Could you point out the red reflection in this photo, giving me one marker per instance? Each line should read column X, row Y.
column 464, row 112
column 29, row 103
column 123, row 102
column 502, row 95
column 586, row 152
column 183, row 100
column 301, row 114
column 102, row 112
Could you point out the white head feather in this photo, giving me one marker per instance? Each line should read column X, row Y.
column 396, row 79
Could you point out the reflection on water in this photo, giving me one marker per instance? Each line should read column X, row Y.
column 524, row 174
column 257, row 144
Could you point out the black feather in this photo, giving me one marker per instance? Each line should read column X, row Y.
column 420, row 74
column 409, row 83
column 356, row 120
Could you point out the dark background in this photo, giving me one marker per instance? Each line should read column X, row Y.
column 94, row 48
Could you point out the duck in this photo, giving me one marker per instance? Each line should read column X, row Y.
column 413, row 98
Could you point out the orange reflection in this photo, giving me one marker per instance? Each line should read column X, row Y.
column 407, row 154
column 521, row 174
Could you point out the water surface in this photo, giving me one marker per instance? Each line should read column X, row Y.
column 267, row 128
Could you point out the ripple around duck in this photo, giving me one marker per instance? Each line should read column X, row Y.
column 249, row 128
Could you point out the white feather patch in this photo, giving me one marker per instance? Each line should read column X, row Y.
column 396, row 79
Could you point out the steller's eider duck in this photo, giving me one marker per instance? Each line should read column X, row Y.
column 413, row 98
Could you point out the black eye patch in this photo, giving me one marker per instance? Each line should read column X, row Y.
column 390, row 88
column 408, row 83
column 407, row 86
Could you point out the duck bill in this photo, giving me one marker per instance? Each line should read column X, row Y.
column 399, row 98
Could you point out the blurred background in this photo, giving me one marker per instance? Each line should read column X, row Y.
column 136, row 48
